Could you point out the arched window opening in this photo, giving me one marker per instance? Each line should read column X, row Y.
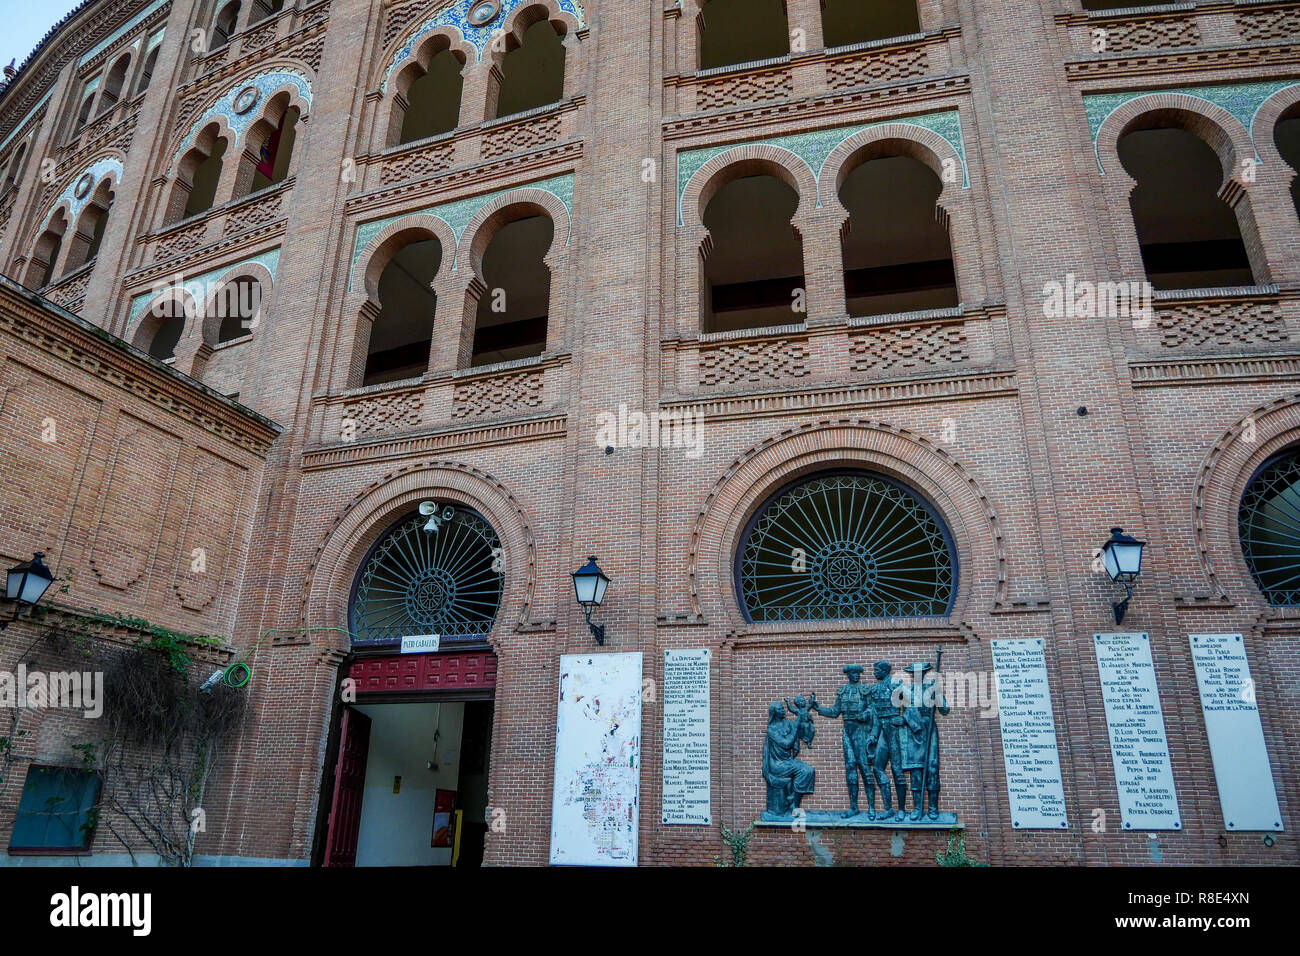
column 741, row 31
column 1269, row 526
column 40, row 271
column 897, row 255
column 263, row 9
column 276, row 152
column 146, row 71
column 1190, row 238
column 165, row 323
column 862, row 21
column 532, row 74
column 202, row 168
column 223, row 27
column 1287, row 137
column 402, row 333
column 86, row 239
column 512, row 315
column 753, row 272
column 433, row 99
column 869, row 547
column 442, row 576
column 83, row 114
column 14, row 174
column 238, row 307
column 113, row 83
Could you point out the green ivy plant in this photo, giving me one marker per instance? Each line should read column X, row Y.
column 737, row 844
column 955, row 853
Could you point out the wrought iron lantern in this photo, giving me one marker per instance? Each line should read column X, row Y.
column 1122, row 558
column 27, row 584
column 589, row 583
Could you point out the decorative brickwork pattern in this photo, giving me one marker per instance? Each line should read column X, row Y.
column 181, row 241
column 259, row 38
column 400, row 17
column 251, row 214
column 425, row 162
column 382, row 414
column 1256, row 26
column 522, row 136
column 909, row 347
column 871, row 68
column 1221, row 324
column 751, row 88
column 1167, row 34
column 754, row 363
column 497, row 395
column 69, row 292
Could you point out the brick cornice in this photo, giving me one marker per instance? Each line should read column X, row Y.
column 43, row 325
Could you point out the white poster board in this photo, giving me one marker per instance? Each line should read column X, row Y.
column 1247, row 794
column 1138, row 747
column 597, row 788
column 687, row 754
column 1029, row 749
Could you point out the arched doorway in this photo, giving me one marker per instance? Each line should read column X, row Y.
column 406, row 772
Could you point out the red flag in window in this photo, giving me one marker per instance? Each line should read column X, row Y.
column 266, row 165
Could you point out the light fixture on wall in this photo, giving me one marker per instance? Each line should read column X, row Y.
column 1122, row 558
column 27, row 584
column 590, row 582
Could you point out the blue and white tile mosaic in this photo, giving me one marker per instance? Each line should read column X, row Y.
column 457, row 215
column 814, row 148
column 266, row 84
column 1242, row 100
column 199, row 286
column 75, row 204
column 456, row 15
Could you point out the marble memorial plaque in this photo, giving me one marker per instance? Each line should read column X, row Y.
column 1247, row 794
column 687, row 767
column 1138, row 747
column 1029, row 749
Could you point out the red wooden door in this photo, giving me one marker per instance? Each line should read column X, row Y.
column 349, row 783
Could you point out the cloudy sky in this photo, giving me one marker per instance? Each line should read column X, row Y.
column 25, row 22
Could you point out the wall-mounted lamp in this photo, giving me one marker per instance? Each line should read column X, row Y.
column 589, row 582
column 26, row 584
column 1122, row 558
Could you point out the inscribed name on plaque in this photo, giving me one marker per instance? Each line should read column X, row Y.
column 1247, row 794
column 1136, row 724
column 597, row 786
column 687, row 756
column 1029, row 748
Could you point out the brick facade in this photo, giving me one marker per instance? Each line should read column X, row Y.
column 977, row 408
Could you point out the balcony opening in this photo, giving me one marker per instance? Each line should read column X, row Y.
column 238, row 306
column 512, row 314
column 862, row 21
column 741, row 31
column 161, row 329
column 146, row 71
column 1287, row 137
column 89, row 233
column 40, row 271
column 204, row 173
column 113, row 83
column 276, row 150
column 263, row 9
column 402, row 333
column 753, row 264
column 83, row 114
column 15, row 172
column 432, row 98
column 1189, row 237
column 532, row 74
column 223, row 27
column 897, row 254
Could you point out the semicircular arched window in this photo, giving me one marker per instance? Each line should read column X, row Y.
column 415, row 581
column 842, row 547
column 1269, row 524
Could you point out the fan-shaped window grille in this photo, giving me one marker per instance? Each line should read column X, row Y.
column 446, row 582
column 845, row 546
column 1269, row 524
